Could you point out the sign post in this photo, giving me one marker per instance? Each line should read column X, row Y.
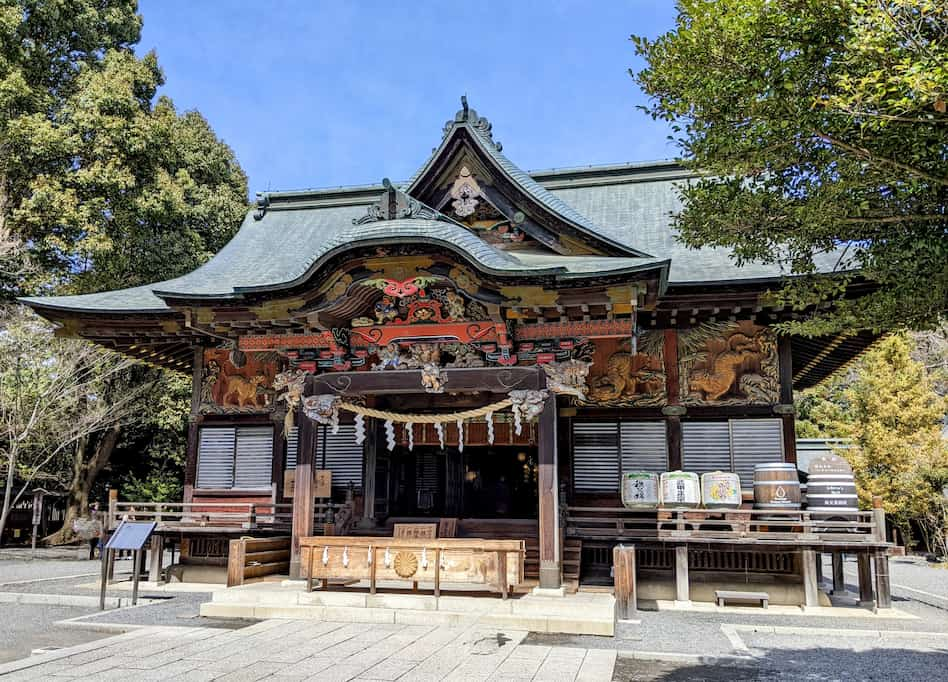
column 37, row 518
column 130, row 535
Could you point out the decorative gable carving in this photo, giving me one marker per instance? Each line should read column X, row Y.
column 465, row 193
column 394, row 204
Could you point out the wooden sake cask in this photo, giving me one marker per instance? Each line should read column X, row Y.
column 680, row 489
column 776, row 486
column 831, row 487
column 639, row 490
column 721, row 490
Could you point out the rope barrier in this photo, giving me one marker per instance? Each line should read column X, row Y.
column 426, row 418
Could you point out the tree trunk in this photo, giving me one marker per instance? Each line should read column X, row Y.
column 8, row 489
column 83, row 478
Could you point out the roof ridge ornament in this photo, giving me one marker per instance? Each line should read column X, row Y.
column 469, row 116
column 394, row 204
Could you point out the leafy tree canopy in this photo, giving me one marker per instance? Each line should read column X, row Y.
column 820, row 131
column 890, row 412
column 106, row 183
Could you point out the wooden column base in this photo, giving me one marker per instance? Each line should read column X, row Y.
column 865, row 579
column 883, row 586
column 811, row 592
column 682, row 588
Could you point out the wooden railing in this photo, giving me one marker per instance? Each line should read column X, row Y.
column 247, row 515
column 618, row 523
column 256, row 558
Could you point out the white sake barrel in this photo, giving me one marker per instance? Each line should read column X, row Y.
column 721, row 490
column 639, row 490
column 680, row 489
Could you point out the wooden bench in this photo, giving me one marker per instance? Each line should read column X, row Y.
column 722, row 595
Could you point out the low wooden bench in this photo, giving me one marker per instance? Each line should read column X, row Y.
column 722, row 595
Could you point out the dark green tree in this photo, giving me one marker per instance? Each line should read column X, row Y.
column 819, row 130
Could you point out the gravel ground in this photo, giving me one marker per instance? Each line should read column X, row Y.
column 181, row 610
column 12, row 570
column 24, row 627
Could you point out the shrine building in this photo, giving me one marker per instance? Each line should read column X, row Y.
column 481, row 347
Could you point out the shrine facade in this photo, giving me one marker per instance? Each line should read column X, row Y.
column 478, row 343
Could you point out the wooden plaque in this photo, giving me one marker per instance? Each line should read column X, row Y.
column 323, row 483
column 289, row 482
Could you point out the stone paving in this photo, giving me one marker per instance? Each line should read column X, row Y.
column 317, row 650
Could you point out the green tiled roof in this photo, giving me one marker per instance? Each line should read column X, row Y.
column 266, row 254
column 629, row 205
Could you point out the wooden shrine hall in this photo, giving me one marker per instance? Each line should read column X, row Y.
column 479, row 349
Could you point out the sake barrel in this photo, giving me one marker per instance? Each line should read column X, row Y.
column 831, row 487
column 721, row 490
column 776, row 486
column 680, row 489
column 639, row 490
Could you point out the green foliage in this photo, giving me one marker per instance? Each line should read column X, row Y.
column 109, row 186
column 888, row 409
column 821, row 133
column 154, row 452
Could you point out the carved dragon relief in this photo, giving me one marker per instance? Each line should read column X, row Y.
column 621, row 378
column 728, row 363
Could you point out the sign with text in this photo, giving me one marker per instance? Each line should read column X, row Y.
column 323, row 483
column 289, row 482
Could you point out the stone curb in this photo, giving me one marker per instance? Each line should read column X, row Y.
column 834, row 632
column 673, row 657
column 67, row 600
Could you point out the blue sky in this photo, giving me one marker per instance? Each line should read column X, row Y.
column 317, row 94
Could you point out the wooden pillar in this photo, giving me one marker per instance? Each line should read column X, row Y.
column 623, row 565
column 819, row 569
column 157, row 550
column 839, row 580
column 368, row 482
column 303, row 491
column 865, row 579
column 550, row 550
column 190, row 467
column 673, row 426
column 682, row 589
column 673, row 411
column 883, row 586
column 811, row 593
column 787, row 417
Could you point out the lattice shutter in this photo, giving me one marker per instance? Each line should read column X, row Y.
column 755, row 441
column 705, row 446
column 215, row 467
column 254, row 457
column 292, row 447
column 343, row 456
column 595, row 456
column 644, row 446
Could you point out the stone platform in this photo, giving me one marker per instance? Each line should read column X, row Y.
column 581, row 613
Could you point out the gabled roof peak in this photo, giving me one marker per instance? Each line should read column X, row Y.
column 468, row 116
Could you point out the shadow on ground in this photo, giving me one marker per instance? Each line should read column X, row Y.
column 810, row 664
